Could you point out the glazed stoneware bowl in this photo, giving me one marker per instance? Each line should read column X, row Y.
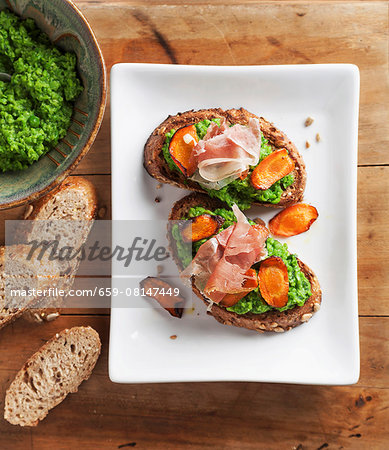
column 68, row 29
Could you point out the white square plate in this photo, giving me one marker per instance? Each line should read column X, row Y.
column 326, row 349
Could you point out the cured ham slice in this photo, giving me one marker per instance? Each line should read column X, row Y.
column 226, row 152
column 220, row 266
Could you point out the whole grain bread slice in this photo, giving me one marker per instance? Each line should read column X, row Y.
column 74, row 199
column 66, row 213
column 272, row 321
column 157, row 167
column 54, row 371
column 20, row 273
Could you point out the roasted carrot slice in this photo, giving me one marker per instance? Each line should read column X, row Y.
column 293, row 220
column 271, row 169
column 243, row 175
column 248, row 286
column 203, row 226
column 274, row 281
column 163, row 292
column 181, row 148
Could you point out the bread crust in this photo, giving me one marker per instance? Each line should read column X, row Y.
column 157, row 167
column 271, row 321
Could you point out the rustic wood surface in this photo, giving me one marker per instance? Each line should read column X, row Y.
column 234, row 415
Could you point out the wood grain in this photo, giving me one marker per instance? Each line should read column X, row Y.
column 373, row 237
column 103, row 415
column 253, row 33
column 204, row 415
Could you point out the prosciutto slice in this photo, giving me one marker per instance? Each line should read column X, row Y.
column 221, row 263
column 226, row 152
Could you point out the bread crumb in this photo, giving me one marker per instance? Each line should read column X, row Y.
column 308, row 121
column 159, row 269
column 318, row 137
column 307, row 144
column 157, row 200
column 102, row 212
column 173, row 336
column 159, row 185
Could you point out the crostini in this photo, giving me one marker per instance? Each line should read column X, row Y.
column 246, row 278
column 232, row 155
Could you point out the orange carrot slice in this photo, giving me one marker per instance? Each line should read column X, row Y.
column 201, row 227
column 181, row 148
column 271, row 169
column 249, row 285
column 293, row 220
column 274, row 281
column 163, row 293
column 243, row 175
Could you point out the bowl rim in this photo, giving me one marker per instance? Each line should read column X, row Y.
column 62, row 176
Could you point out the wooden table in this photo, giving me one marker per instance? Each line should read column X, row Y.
column 235, row 415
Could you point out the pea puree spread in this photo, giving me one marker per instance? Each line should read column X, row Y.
column 238, row 191
column 37, row 104
column 299, row 286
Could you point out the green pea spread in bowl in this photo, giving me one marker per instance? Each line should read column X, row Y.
column 37, row 104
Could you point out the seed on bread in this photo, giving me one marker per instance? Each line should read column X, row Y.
column 306, row 317
column 54, row 371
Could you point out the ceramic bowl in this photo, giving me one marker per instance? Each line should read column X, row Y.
column 65, row 25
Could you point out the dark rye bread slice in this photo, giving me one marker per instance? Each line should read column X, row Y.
column 274, row 320
column 157, row 167
column 54, row 371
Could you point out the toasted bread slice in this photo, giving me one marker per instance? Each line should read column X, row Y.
column 273, row 320
column 54, row 371
column 157, row 167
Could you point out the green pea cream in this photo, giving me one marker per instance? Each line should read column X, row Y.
column 299, row 286
column 238, row 191
column 37, row 104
